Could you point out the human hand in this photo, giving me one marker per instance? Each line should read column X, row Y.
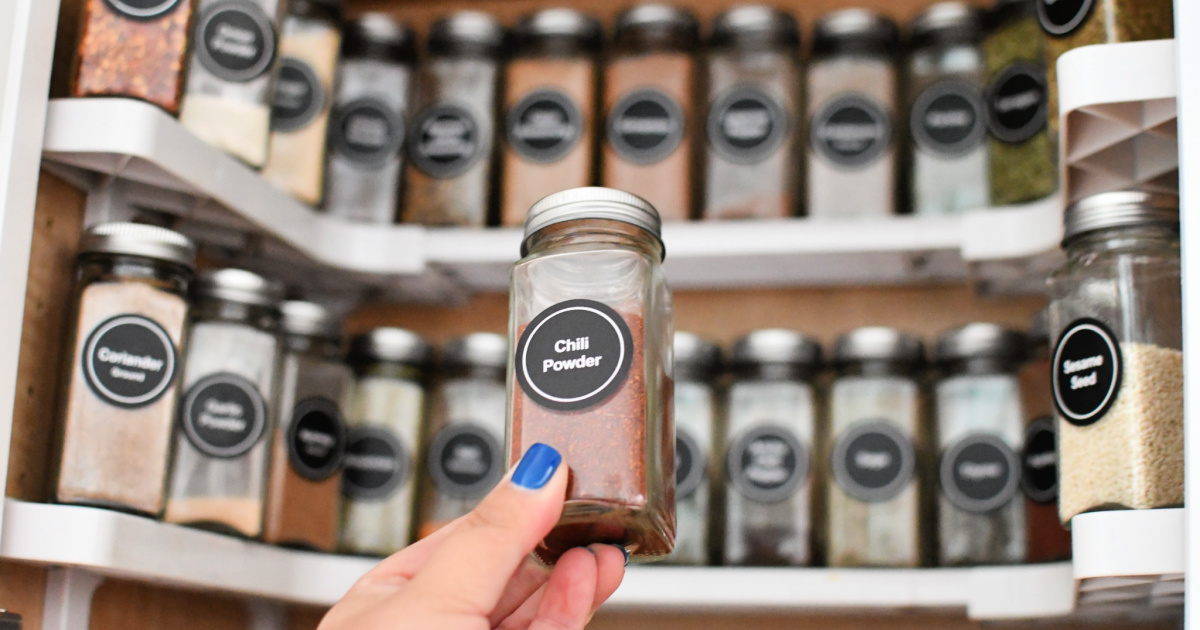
column 477, row 572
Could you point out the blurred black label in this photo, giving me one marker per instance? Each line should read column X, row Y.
column 690, row 464
column 299, row 96
column 224, row 415
column 376, row 464
column 464, row 460
column 1017, row 103
column 445, row 141
column 851, row 131
column 1062, row 17
column 366, row 131
column 767, row 464
column 645, row 126
column 1087, row 372
column 873, row 461
column 980, row 473
column 544, row 126
column 237, row 41
column 316, row 439
column 746, row 125
column 948, row 118
column 1039, row 461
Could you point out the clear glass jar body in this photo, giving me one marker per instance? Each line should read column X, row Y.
column 980, row 429
column 879, row 457
column 118, row 416
column 602, row 286
column 463, row 445
column 385, row 412
column 771, row 427
column 309, row 442
column 695, row 468
column 219, row 476
column 1116, row 312
column 753, row 155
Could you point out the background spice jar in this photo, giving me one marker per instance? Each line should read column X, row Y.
column 753, row 157
column 451, row 137
column 130, row 313
column 385, row 413
column 219, row 476
column 1117, row 363
column 550, row 109
column 464, row 440
column 591, row 324
column 309, row 441
column 697, row 365
column 853, row 127
column 366, row 129
column 878, row 451
column 231, row 75
column 650, row 88
column 947, row 115
column 771, row 427
column 133, row 48
column 312, row 35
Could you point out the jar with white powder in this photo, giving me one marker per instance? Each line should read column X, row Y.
column 1116, row 316
column 980, row 431
column 385, row 412
column 697, row 365
column 771, row 426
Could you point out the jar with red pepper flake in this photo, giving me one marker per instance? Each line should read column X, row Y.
column 590, row 375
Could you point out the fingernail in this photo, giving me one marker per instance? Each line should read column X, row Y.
column 624, row 551
column 536, row 467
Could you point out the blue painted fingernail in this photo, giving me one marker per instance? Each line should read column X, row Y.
column 536, row 467
column 624, row 551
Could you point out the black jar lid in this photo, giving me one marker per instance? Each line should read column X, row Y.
column 330, row 10
column 391, row 345
column 309, row 319
column 377, row 36
column 466, row 34
column 855, row 30
column 487, row 350
column 558, row 31
column 946, row 23
column 983, row 345
column 755, row 26
column 136, row 239
column 1119, row 209
column 696, row 358
column 656, row 27
column 878, row 344
column 239, row 286
column 776, row 353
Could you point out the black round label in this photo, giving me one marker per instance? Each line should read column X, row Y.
column 980, row 473
column 574, row 355
column 767, row 464
column 142, row 9
column 1061, row 17
column 445, row 141
column 366, row 131
column 873, row 461
column 464, row 460
column 1017, row 103
column 1039, row 461
column 645, row 126
column 544, row 126
column 948, row 118
column 689, row 464
column 746, row 125
column 1087, row 372
column 129, row 361
column 376, row 464
column 299, row 96
column 237, row 41
column 224, row 415
column 316, row 439
column 851, row 131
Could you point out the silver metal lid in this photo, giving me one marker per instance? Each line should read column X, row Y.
column 592, row 203
column 560, row 23
column 755, row 24
column 477, row 349
column 695, row 354
column 308, row 319
column 854, row 29
column 776, row 345
column 239, row 285
column 980, row 340
column 946, row 22
column 394, row 345
column 878, row 343
column 135, row 239
column 466, row 33
column 1119, row 209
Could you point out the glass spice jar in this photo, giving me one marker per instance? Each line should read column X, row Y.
column 947, row 116
column 1022, row 158
column 880, row 460
column 697, row 365
column 649, row 90
column 309, row 442
column 451, row 137
column 591, row 326
column 464, row 440
column 231, row 76
column 980, row 426
column 771, row 427
column 130, row 316
column 753, row 156
column 219, row 477
column 133, row 48
column 1117, row 362
column 363, row 176
column 852, row 90
column 385, row 413
column 550, row 105
column 312, row 35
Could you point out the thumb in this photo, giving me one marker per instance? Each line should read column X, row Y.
column 473, row 565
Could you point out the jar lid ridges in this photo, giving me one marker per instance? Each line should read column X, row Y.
column 592, row 202
column 1119, row 209
column 137, row 239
